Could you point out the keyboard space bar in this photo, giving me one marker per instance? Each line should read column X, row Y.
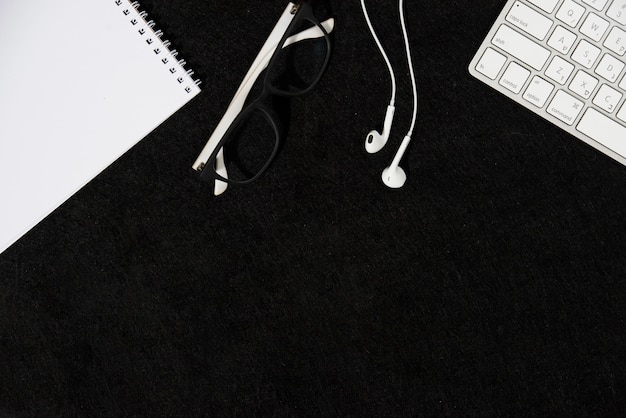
column 604, row 131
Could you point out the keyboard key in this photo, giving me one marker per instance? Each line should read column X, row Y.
column 559, row 70
column 586, row 54
column 617, row 11
column 529, row 20
column 583, row 84
column 545, row 5
column 562, row 40
column 603, row 130
column 616, row 41
column 570, row 13
column 521, row 47
column 596, row 4
column 538, row 91
column 594, row 27
column 607, row 98
column 565, row 107
column 491, row 63
column 514, row 77
column 609, row 68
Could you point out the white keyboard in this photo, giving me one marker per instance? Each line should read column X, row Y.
column 563, row 60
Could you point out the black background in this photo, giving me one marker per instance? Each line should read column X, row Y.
column 493, row 283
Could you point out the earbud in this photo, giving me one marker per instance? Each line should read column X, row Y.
column 375, row 141
column 394, row 176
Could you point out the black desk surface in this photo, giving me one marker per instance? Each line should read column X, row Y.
column 493, row 283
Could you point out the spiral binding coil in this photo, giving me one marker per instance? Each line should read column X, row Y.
column 160, row 47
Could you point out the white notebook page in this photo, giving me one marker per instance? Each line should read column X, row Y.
column 79, row 86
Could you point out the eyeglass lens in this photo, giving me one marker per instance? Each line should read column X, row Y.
column 251, row 145
column 297, row 67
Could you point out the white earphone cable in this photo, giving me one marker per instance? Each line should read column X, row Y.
column 411, row 70
column 382, row 51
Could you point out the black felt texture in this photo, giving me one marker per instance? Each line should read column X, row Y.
column 493, row 283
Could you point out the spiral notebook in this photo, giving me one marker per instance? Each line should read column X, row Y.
column 81, row 82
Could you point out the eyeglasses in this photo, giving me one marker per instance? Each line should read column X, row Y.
column 294, row 57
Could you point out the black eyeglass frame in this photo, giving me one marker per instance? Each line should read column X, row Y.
column 208, row 173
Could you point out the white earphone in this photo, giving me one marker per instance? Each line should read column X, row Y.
column 392, row 176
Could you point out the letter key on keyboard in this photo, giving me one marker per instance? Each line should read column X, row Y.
column 564, row 60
